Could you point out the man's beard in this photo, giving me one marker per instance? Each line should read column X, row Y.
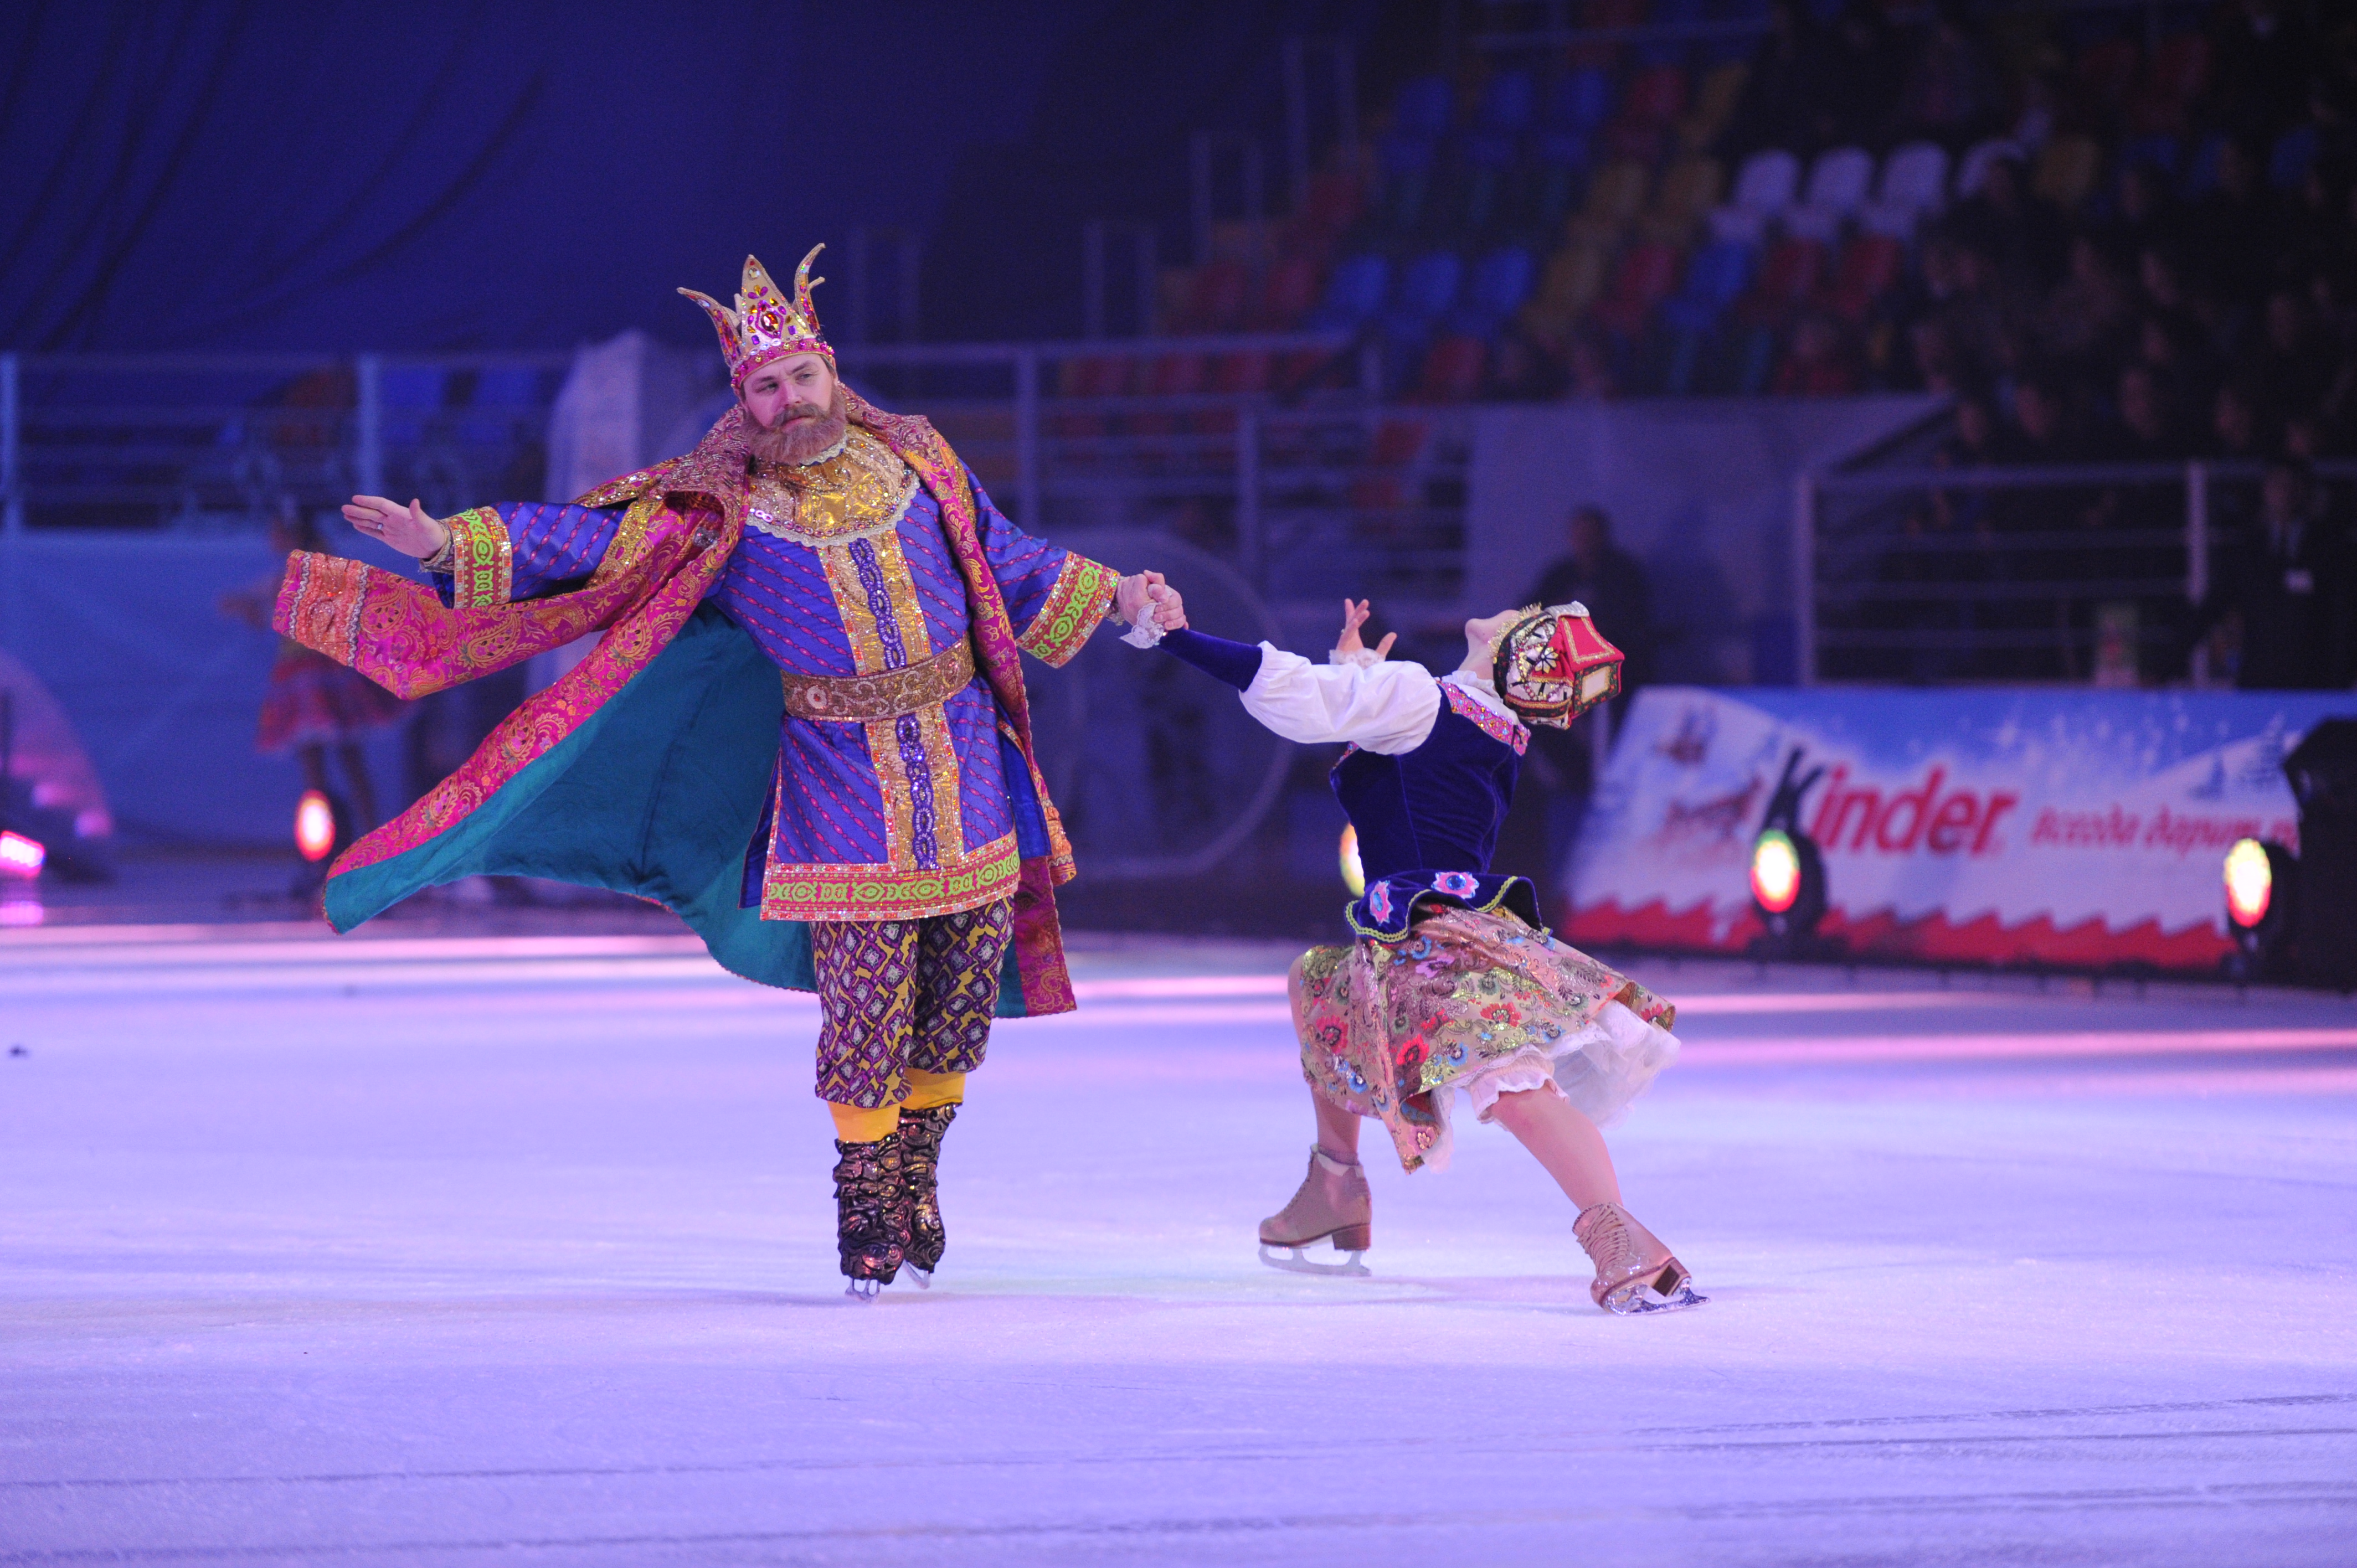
column 790, row 443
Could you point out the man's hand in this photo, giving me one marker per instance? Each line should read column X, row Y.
column 1135, row 595
column 1354, row 616
column 1169, row 608
column 407, row 529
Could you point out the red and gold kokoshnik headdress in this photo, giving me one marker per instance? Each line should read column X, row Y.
column 766, row 325
column 1552, row 665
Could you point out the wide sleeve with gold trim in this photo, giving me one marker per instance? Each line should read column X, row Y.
column 1056, row 598
column 515, row 551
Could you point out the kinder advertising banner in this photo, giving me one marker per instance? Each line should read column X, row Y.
column 2065, row 828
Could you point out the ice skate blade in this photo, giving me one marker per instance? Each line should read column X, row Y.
column 924, row 1277
column 863, row 1290
column 1293, row 1263
column 1646, row 1299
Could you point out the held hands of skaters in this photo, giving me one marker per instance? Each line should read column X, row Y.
column 405, row 529
column 1149, row 605
column 1348, row 648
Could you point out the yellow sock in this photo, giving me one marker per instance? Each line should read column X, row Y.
column 854, row 1125
column 927, row 1090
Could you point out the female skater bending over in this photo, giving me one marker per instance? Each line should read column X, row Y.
column 1454, row 983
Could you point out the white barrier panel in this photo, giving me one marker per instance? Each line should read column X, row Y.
column 1969, row 826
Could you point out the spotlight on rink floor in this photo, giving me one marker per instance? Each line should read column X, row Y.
column 1788, row 890
column 21, row 856
column 314, row 826
column 2262, row 891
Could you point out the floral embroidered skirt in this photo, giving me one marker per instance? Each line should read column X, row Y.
column 1481, row 1003
column 314, row 700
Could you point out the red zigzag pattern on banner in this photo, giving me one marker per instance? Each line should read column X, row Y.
column 1932, row 937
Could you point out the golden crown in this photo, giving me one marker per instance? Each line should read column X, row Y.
column 766, row 325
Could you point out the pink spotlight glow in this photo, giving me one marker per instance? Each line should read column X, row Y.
column 21, row 856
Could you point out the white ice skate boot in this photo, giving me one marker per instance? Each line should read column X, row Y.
column 1332, row 1205
column 1634, row 1272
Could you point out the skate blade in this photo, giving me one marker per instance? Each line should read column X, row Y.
column 924, row 1277
column 863, row 1290
column 1651, row 1300
column 1296, row 1263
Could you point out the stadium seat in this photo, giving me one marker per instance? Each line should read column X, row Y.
column 1422, row 108
column 2068, row 168
column 1868, row 269
column 2202, row 169
column 1647, row 273
column 1614, row 198
column 2104, row 72
column 2294, row 150
column 1452, row 369
column 2176, row 76
column 1974, row 167
column 1789, row 274
column 1656, row 97
column 1427, row 288
column 1509, row 103
column 1689, row 189
column 1913, row 185
column 1501, row 280
column 1574, row 278
column 1288, row 294
column 408, row 397
column 1715, row 279
column 1764, row 188
column 1217, row 298
column 1247, row 371
column 1838, row 183
column 1577, row 101
column 1354, row 295
column 1715, row 98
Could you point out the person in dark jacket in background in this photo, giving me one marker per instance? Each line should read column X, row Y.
column 2290, row 590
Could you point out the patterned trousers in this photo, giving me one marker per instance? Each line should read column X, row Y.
column 898, row 994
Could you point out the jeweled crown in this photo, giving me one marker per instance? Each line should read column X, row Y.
column 766, row 325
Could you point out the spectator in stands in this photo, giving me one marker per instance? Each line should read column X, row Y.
column 1820, row 362
column 2234, row 225
column 1864, row 63
column 2264, row 58
column 2142, row 213
column 2179, row 360
column 2030, row 521
column 1611, row 583
column 1777, row 106
column 1952, row 95
column 2292, row 359
column 2085, row 321
column 2020, row 232
column 2286, row 596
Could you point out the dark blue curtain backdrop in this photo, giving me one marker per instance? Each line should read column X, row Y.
column 518, row 175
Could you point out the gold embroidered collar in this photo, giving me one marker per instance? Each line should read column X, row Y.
column 857, row 491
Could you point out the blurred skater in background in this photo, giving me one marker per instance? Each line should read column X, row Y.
column 313, row 706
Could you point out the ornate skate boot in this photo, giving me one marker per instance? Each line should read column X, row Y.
column 920, row 1158
column 1332, row 1205
column 871, row 1214
column 1634, row 1272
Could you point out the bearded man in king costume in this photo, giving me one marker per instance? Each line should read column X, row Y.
column 804, row 730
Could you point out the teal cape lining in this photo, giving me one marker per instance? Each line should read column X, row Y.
column 656, row 794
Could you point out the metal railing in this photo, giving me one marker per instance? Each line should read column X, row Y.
column 2070, row 572
column 1309, row 484
column 120, row 441
column 1299, row 473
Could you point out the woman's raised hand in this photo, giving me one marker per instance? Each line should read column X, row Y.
column 1354, row 616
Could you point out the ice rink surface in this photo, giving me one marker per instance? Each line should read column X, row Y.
column 399, row 1249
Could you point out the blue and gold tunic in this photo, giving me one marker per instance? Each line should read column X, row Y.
column 844, row 571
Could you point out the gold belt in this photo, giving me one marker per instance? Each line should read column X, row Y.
column 887, row 694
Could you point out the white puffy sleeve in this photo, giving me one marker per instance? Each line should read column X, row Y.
column 1387, row 707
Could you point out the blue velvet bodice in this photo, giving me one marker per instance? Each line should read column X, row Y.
column 1436, row 808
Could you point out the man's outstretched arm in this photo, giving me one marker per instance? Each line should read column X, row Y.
column 494, row 555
